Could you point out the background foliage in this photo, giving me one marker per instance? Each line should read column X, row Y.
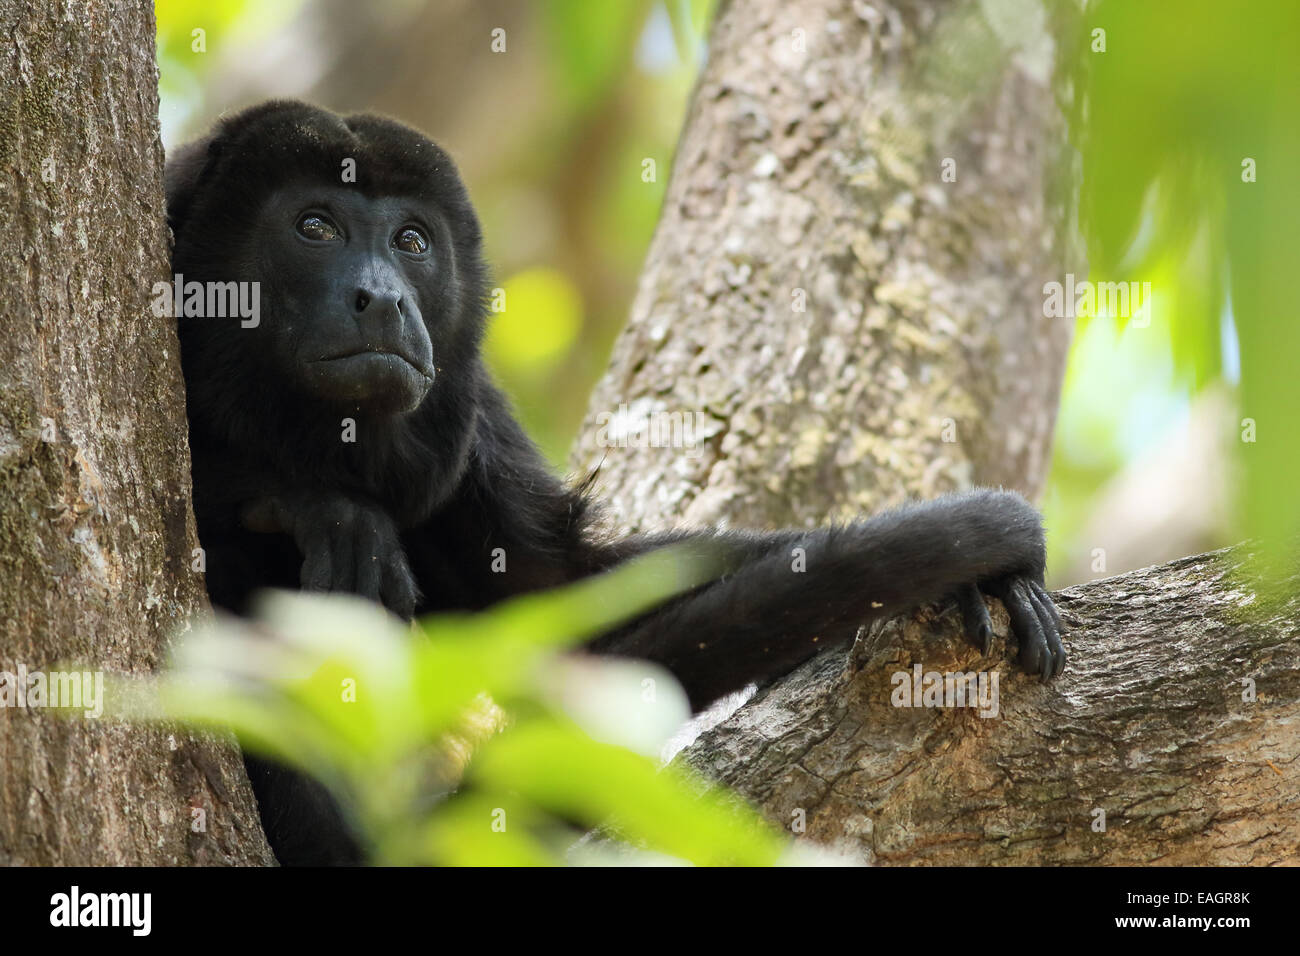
column 1175, row 436
column 551, row 135
column 1187, row 125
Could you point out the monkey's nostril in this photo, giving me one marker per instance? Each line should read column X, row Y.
column 363, row 300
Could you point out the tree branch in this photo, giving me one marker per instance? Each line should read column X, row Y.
column 1148, row 724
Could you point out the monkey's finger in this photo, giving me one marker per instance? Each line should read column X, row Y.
column 975, row 617
column 1034, row 655
column 1051, row 622
column 369, row 574
column 368, row 563
column 343, row 547
column 399, row 593
column 316, row 565
column 1048, row 603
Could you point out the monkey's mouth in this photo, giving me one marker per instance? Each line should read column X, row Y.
column 370, row 361
column 381, row 380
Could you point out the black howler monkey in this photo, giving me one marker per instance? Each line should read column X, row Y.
column 372, row 304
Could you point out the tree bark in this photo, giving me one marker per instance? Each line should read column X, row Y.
column 821, row 172
column 1149, row 724
column 814, row 175
column 812, row 167
column 96, row 531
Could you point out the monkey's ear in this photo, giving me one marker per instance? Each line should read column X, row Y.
column 182, row 175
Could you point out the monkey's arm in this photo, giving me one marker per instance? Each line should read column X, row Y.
column 347, row 544
column 765, row 616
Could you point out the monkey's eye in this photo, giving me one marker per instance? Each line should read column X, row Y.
column 318, row 228
column 411, row 239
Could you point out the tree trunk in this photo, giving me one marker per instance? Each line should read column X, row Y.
column 96, row 532
column 1151, row 725
column 816, row 171
column 820, row 173
column 853, row 328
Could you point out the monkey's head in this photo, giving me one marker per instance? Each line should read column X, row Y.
column 358, row 241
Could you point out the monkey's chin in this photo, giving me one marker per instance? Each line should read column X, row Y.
column 379, row 382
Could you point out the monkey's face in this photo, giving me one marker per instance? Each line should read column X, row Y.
column 347, row 282
column 368, row 287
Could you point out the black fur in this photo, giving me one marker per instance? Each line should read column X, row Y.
column 410, row 513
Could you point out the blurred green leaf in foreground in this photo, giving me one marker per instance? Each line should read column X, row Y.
column 472, row 739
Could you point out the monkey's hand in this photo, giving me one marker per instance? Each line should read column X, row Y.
column 1034, row 621
column 1005, row 535
column 348, row 545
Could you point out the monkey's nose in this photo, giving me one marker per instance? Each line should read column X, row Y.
column 367, row 300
